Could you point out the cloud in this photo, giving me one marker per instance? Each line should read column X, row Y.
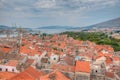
column 72, row 6
column 45, row 4
column 72, row 10
column 62, row 6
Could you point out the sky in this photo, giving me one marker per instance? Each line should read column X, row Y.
column 39, row 13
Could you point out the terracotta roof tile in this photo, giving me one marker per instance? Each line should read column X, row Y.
column 108, row 60
column 82, row 66
column 55, row 75
column 4, row 49
column 116, row 58
column 109, row 74
column 6, row 75
column 28, row 74
column 12, row 63
column 66, row 68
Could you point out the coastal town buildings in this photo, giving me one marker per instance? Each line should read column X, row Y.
column 57, row 57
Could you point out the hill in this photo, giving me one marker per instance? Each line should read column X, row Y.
column 3, row 27
column 106, row 24
column 97, row 37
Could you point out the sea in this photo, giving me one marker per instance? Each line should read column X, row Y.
column 51, row 31
column 4, row 35
column 48, row 31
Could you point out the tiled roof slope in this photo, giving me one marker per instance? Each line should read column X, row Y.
column 82, row 66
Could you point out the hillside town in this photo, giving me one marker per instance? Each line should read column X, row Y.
column 113, row 32
column 56, row 57
column 59, row 39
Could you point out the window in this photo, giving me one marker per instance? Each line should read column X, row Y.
column 54, row 58
column 96, row 71
column 48, row 62
column 0, row 69
column 12, row 70
column 6, row 69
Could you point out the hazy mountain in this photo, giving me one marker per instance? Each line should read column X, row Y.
column 3, row 27
column 106, row 24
